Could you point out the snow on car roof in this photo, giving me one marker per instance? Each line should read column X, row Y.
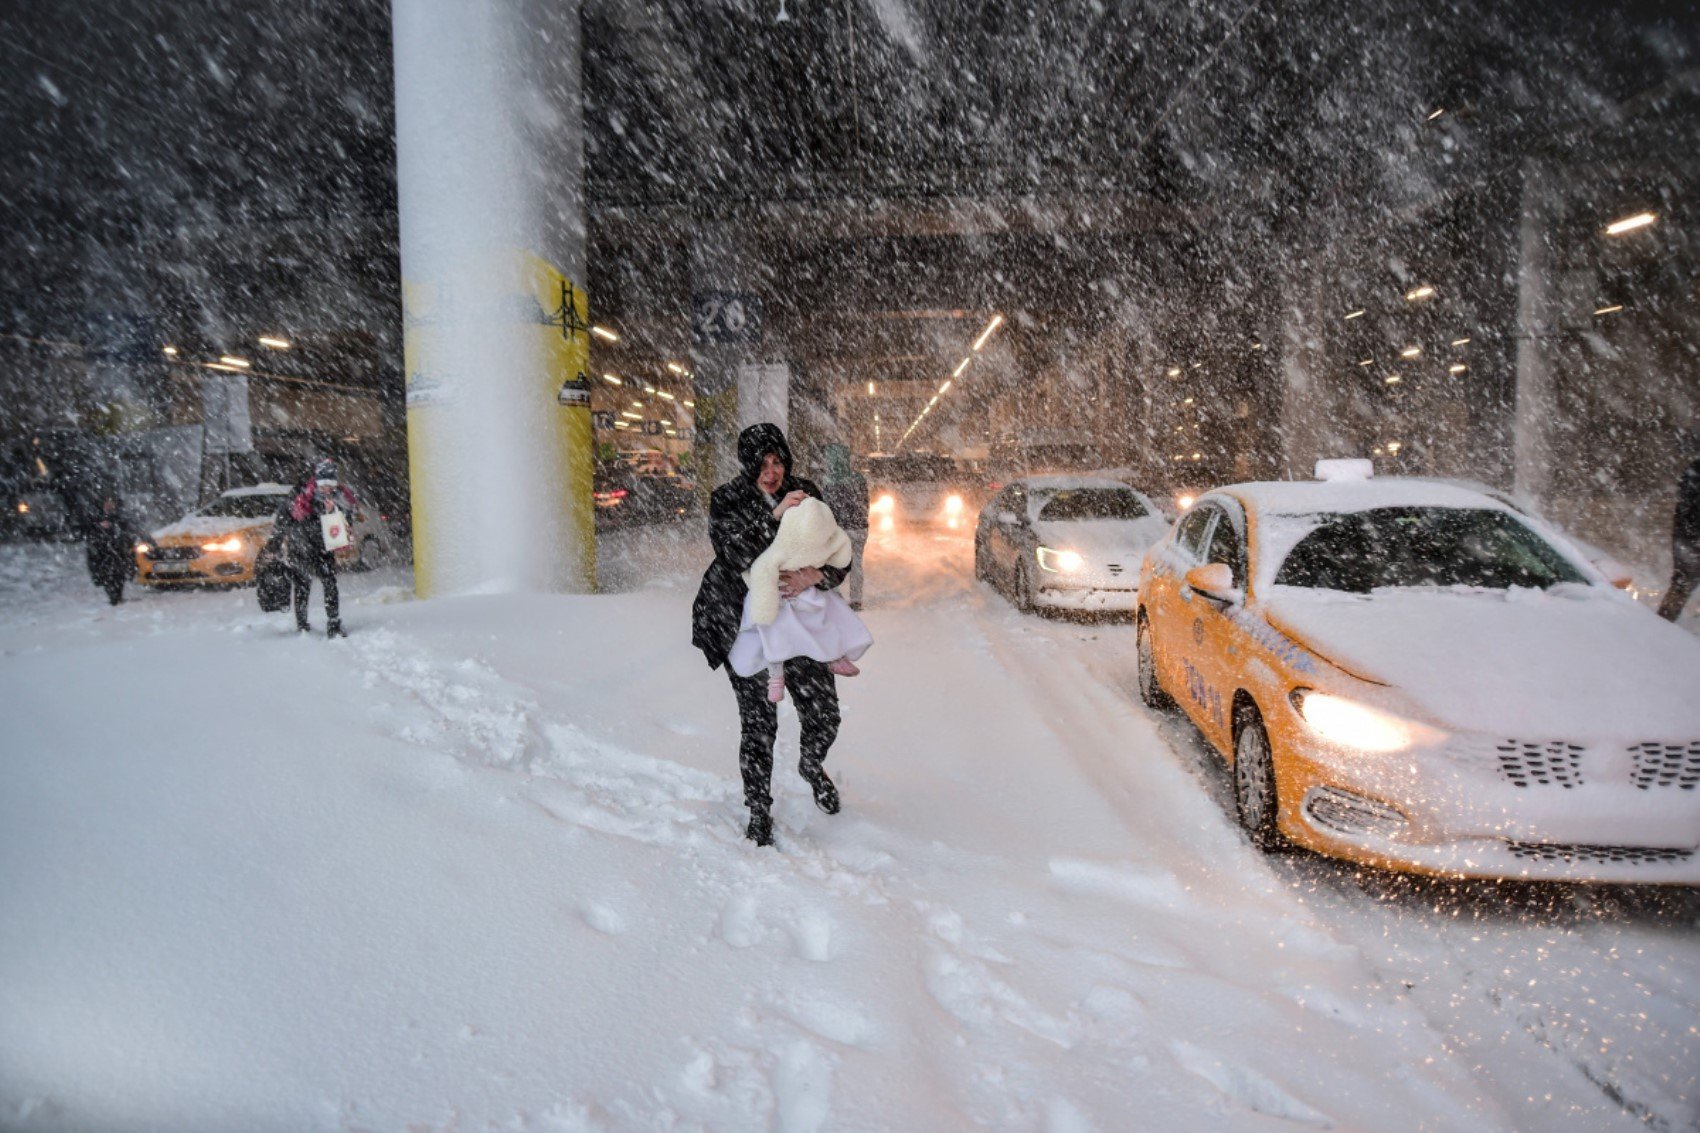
column 1312, row 497
column 1289, row 509
column 258, row 490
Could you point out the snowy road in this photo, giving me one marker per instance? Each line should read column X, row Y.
column 481, row 866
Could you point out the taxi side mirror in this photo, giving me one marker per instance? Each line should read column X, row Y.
column 1215, row 581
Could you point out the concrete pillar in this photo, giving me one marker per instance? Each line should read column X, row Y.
column 728, row 334
column 489, row 156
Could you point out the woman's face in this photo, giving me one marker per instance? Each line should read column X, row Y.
column 772, row 473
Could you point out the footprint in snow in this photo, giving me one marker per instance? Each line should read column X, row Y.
column 1246, row 1086
column 603, row 919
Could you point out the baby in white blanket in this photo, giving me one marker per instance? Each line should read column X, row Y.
column 816, row 623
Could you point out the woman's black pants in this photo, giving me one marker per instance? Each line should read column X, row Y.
column 815, row 691
column 301, row 582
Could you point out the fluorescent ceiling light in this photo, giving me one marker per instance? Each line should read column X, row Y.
column 274, row 342
column 1611, row 310
column 961, row 366
column 612, row 378
column 1437, row 113
column 1631, row 223
column 1411, row 352
column 997, row 321
column 604, row 332
column 1461, row 341
column 1357, row 314
column 1456, row 368
column 1416, row 293
column 233, row 360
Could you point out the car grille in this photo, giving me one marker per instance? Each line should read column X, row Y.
column 1597, row 855
column 174, row 554
column 1667, row 765
column 1529, row 763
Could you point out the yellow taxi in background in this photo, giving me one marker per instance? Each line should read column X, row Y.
column 216, row 545
column 1417, row 676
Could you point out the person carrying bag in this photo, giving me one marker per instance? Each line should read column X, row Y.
column 310, row 526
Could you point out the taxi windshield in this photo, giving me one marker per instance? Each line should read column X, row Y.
column 1423, row 546
column 243, row 507
column 1093, row 503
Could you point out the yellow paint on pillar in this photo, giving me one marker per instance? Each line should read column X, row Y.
column 550, row 317
column 565, row 348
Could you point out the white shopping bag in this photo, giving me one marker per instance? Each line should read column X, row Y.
column 335, row 526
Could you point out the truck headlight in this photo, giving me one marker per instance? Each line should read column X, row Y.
column 1350, row 724
column 1060, row 562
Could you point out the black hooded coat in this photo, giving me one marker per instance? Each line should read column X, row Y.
column 741, row 525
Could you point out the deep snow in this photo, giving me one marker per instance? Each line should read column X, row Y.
column 481, row 866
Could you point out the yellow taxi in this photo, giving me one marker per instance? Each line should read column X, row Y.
column 1417, row 676
column 216, row 545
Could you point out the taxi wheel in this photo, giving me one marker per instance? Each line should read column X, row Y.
column 1150, row 687
column 1254, row 782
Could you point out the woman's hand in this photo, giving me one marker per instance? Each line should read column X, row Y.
column 794, row 582
column 791, row 500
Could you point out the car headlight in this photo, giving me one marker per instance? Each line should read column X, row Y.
column 144, row 548
column 1060, row 562
column 953, row 505
column 234, row 543
column 1351, row 724
column 885, row 503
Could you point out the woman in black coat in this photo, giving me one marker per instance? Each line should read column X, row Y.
column 743, row 518
column 110, row 540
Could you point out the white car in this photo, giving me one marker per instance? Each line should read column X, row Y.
column 1066, row 542
column 1418, row 676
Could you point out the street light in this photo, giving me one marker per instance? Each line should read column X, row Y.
column 1416, row 293
column 274, row 342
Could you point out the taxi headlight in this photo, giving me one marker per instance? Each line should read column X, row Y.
column 234, row 543
column 953, row 505
column 885, row 503
column 1350, row 724
column 1060, row 562
column 144, row 548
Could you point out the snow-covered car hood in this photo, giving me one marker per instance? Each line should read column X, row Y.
column 205, row 526
column 1103, row 539
column 1571, row 663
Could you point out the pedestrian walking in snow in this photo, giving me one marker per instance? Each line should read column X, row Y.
column 778, row 627
column 744, row 518
column 110, row 541
column 846, row 492
column 1685, row 544
column 300, row 532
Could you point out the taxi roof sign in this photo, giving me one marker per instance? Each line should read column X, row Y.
column 1337, row 471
